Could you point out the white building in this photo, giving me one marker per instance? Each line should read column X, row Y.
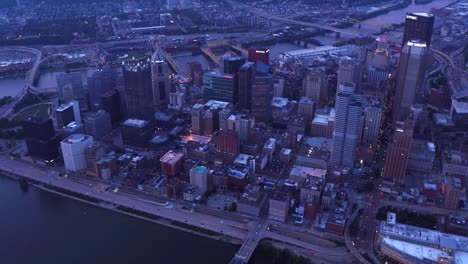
column 199, row 178
column 73, row 151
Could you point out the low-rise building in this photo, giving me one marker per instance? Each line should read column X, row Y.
column 254, row 201
column 279, row 206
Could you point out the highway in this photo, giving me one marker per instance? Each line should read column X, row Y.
column 250, row 232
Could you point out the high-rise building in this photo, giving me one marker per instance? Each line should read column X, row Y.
column 399, row 146
column 71, row 87
column 195, row 71
column 136, row 133
column 161, row 82
column 315, row 85
column 323, row 123
column 231, row 65
column 262, row 92
column 98, row 124
column 372, row 120
column 259, row 54
column 112, row 104
column 197, row 118
column 348, row 125
column 228, row 141
column 99, row 83
column 306, row 107
column 139, row 91
column 418, row 26
column 67, row 113
column 92, row 154
column 410, row 78
column 453, row 191
column 199, row 177
column 73, row 151
column 224, row 114
column 172, row 163
column 245, row 79
column 220, row 87
column 349, row 71
column 41, row 140
column 242, row 125
column 176, row 100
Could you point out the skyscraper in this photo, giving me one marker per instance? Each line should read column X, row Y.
column 372, row 121
column 67, row 113
column 398, row 150
column 41, row 140
column 245, row 79
column 71, row 87
column 220, row 87
column 348, row 126
column 99, row 83
column 111, row 103
column 262, row 92
column 315, row 85
column 418, row 26
column 259, row 54
column 231, row 65
column 349, row 71
column 410, row 78
column 138, row 87
column 98, row 124
column 160, row 81
column 197, row 118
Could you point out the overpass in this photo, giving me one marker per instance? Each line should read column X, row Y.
column 266, row 15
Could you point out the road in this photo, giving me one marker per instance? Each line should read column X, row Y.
column 251, row 232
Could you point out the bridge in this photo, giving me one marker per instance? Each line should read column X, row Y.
column 6, row 110
column 262, row 13
column 210, row 54
column 174, row 65
column 308, row 243
column 240, row 49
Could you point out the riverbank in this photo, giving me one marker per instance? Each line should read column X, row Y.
column 122, row 209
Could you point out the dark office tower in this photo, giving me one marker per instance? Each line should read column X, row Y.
column 348, row 126
column 244, row 83
column 410, row 78
column 259, row 54
column 136, row 133
column 64, row 115
column 98, row 84
column 161, row 82
column 138, row 87
column 228, row 142
column 231, row 65
column 220, row 87
column 398, row 150
column 98, row 124
column 71, row 87
column 41, row 140
column 111, row 103
column 418, row 26
column 262, row 92
column 195, row 71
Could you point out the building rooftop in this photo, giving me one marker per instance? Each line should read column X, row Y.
column 306, row 172
column 279, row 102
column 171, row 157
column 135, row 123
column 419, row 252
column 196, row 138
column 270, row 143
column 76, row 138
column 214, row 104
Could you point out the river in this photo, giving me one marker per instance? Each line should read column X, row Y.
column 41, row 227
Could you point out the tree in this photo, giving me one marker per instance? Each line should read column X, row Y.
column 233, row 207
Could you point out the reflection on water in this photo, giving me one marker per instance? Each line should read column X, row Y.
column 11, row 87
